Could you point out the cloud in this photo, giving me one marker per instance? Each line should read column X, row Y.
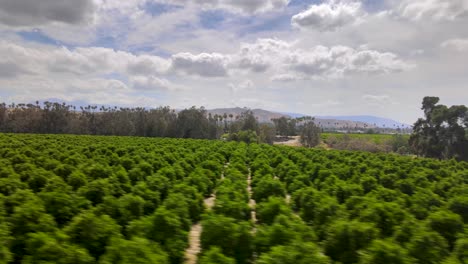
column 204, row 64
column 433, row 9
column 94, row 75
column 252, row 6
column 286, row 62
column 456, row 44
column 150, row 83
column 242, row 86
column 92, row 61
column 236, row 6
column 327, row 103
column 127, row 6
column 339, row 61
column 377, row 99
column 41, row 12
column 328, row 16
column 9, row 69
column 261, row 55
column 256, row 103
column 147, row 65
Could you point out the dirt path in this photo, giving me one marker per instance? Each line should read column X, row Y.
column 292, row 142
column 191, row 254
column 252, row 202
column 194, row 249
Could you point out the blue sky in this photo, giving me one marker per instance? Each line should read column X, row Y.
column 333, row 57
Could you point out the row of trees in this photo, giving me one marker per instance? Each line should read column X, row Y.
column 227, row 230
column 56, row 118
column 60, row 118
column 88, row 199
column 367, row 208
column 66, row 199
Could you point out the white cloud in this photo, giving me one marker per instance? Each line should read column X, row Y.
column 328, row 16
column 127, row 6
column 204, row 64
column 79, row 62
column 94, row 75
column 456, row 44
column 242, row 86
column 147, row 65
column 286, row 62
column 252, row 6
column 9, row 69
column 377, row 99
column 261, row 55
column 256, row 103
column 327, row 103
column 236, row 6
column 433, row 9
column 40, row 12
column 150, row 83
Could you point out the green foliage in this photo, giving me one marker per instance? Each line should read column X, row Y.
column 310, row 134
column 442, row 134
column 5, row 254
column 214, row 256
column 370, row 142
column 135, row 251
column 60, row 205
column 94, row 199
column 428, row 247
column 459, row 205
column 28, row 217
column 296, row 253
column 247, row 136
column 345, row 239
column 92, row 232
column 165, row 227
column 447, row 224
column 269, row 210
column 268, row 187
column 46, row 248
column 386, row 216
column 384, row 252
column 461, row 250
column 283, row 231
column 233, row 237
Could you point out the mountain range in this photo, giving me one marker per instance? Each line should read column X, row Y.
column 265, row 116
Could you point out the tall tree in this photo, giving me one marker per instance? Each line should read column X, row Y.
column 442, row 133
column 309, row 133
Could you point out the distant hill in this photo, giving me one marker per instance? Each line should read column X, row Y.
column 263, row 116
column 372, row 120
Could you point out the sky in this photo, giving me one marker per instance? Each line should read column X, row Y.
column 332, row 57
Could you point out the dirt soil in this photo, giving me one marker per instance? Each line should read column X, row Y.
column 291, row 141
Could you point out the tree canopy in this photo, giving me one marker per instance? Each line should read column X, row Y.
column 443, row 133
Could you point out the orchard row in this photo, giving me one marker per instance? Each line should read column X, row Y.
column 91, row 199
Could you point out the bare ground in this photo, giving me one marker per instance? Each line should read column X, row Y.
column 292, row 142
column 252, row 202
column 191, row 254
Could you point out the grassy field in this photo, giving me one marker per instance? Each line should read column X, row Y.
column 376, row 138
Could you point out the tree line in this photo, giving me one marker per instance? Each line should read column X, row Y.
column 61, row 118
column 442, row 133
column 196, row 123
